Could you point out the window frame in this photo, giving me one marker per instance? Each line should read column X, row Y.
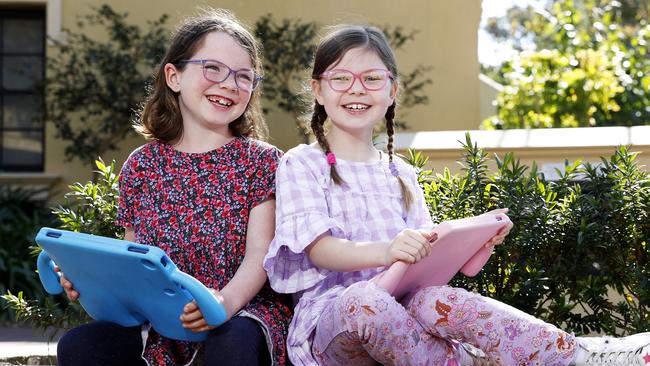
column 9, row 14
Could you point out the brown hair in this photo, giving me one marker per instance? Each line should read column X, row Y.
column 160, row 118
column 330, row 50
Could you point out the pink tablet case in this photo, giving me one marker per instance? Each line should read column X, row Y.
column 460, row 247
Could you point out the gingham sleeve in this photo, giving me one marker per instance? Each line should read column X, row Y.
column 301, row 217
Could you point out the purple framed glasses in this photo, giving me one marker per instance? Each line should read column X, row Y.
column 218, row 72
column 342, row 80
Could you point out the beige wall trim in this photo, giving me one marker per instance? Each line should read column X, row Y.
column 53, row 15
column 548, row 138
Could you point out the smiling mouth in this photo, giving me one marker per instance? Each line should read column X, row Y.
column 356, row 107
column 222, row 101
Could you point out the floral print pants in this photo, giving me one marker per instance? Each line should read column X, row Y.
column 372, row 326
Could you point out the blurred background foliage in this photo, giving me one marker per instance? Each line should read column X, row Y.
column 581, row 63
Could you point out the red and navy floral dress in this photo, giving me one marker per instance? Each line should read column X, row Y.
column 195, row 206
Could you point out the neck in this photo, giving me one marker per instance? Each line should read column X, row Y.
column 199, row 140
column 352, row 145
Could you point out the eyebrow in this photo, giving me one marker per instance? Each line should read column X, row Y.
column 215, row 60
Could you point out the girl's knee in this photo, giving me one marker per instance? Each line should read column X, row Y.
column 363, row 307
column 73, row 347
column 240, row 341
column 361, row 295
column 65, row 346
column 428, row 298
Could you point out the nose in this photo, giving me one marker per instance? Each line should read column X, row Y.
column 229, row 83
column 356, row 87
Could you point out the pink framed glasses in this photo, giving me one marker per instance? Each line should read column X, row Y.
column 342, row 80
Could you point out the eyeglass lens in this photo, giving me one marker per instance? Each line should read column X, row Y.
column 218, row 72
column 342, row 80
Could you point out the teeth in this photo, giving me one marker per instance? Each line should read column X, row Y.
column 222, row 101
column 356, row 107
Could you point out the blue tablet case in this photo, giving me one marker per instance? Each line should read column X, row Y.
column 124, row 282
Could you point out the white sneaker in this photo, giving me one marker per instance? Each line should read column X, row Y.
column 631, row 350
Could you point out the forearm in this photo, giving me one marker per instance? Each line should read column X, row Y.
column 344, row 255
column 250, row 276
column 245, row 284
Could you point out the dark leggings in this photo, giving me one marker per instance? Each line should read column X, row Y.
column 240, row 341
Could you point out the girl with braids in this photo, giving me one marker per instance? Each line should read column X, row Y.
column 203, row 191
column 346, row 210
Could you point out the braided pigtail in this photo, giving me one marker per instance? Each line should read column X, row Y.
column 407, row 196
column 317, row 126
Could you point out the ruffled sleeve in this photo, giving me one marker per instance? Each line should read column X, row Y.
column 302, row 216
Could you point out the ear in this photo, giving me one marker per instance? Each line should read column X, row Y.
column 394, row 88
column 172, row 77
column 317, row 91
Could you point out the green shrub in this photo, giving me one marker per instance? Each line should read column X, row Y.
column 22, row 212
column 576, row 241
column 90, row 208
column 590, row 66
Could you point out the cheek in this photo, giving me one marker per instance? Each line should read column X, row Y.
column 331, row 99
column 244, row 99
column 196, row 86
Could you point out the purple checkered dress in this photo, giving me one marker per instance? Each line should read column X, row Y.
column 367, row 208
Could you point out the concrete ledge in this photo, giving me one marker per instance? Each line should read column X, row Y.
column 25, row 346
column 552, row 138
column 548, row 148
column 29, row 360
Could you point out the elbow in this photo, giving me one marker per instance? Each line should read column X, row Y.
column 315, row 251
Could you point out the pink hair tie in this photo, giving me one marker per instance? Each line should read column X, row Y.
column 331, row 158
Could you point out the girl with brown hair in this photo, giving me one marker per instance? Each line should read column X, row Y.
column 202, row 190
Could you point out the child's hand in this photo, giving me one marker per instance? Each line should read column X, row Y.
column 67, row 286
column 501, row 235
column 409, row 246
column 192, row 318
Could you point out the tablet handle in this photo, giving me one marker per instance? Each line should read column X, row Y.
column 49, row 278
column 212, row 310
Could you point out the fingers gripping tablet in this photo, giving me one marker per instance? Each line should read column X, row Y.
column 460, row 247
column 125, row 282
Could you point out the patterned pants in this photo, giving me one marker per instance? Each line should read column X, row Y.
column 372, row 326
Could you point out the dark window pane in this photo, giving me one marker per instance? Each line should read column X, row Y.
column 23, row 111
column 22, row 36
column 24, row 148
column 21, row 72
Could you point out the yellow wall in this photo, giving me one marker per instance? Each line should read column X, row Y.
column 446, row 41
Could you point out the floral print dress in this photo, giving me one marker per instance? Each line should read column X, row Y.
column 195, row 206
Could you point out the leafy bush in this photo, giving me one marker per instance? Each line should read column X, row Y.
column 590, row 68
column 22, row 212
column 576, row 241
column 90, row 208
column 577, row 255
column 553, row 89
